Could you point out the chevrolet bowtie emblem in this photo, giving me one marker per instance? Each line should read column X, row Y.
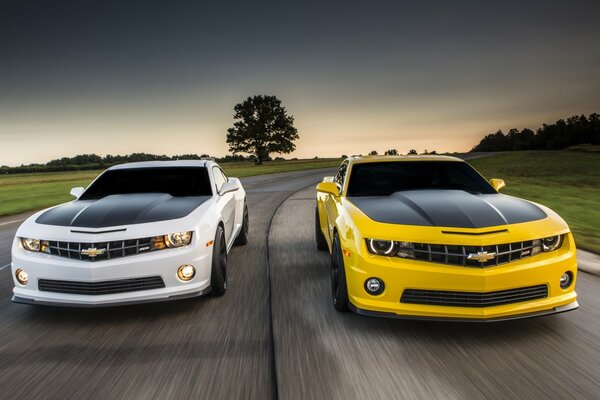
column 481, row 256
column 93, row 252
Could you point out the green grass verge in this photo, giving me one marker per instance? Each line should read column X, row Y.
column 566, row 181
column 25, row 192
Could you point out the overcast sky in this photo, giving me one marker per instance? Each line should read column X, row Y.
column 115, row 77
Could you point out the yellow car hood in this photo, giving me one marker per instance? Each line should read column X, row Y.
column 449, row 218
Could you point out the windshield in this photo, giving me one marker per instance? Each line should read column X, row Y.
column 385, row 178
column 176, row 181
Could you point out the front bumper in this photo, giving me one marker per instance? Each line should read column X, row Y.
column 163, row 263
column 556, row 310
column 400, row 274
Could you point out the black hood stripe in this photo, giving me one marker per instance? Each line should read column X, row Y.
column 122, row 209
column 448, row 208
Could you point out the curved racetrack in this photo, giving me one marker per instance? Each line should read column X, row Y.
column 293, row 344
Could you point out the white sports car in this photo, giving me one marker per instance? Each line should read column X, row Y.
column 141, row 232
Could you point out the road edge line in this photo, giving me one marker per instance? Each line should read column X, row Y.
column 12, row 221
column 588, row 262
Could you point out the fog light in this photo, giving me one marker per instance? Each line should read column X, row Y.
column 374, row 286
column 186, row 272
column 21, row 276
column 566, row 279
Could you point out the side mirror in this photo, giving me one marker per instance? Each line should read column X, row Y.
column 77, row 192
column 231, row 185
column 328, row 187
column 497, row 184
column 328, row 179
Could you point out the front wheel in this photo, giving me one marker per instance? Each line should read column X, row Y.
column 339, row 289
column 242, row 237
column 218, row 273
column 319, row 237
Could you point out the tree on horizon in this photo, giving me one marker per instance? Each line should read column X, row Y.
column 575, row 130
column 262, row 127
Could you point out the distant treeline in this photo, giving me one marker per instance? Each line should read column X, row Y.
column 559, row 135
column 84, row 162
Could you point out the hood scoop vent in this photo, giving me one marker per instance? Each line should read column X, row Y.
column 476, row 233
column 99, row 232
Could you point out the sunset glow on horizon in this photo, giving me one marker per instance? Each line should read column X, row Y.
column 357, row 77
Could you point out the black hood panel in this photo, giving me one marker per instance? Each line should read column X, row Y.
column 448, row 208
column 121, row 209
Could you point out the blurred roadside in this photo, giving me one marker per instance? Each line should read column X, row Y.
column 588, row 262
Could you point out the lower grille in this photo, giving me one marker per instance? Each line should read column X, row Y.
column 473, row 299
column 104, row 287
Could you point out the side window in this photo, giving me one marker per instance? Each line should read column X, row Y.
column 340, row 176
column 220, row 178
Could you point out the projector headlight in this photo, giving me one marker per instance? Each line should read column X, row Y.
column 390, row 248
column 551, row 243
column 178, row 239
column 31, row 244
column 381, row 247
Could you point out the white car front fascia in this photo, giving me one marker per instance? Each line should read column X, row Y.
column 164, row 263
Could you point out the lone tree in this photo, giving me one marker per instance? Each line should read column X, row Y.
column 391, row 152
column 262, row 127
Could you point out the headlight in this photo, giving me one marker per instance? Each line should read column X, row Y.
column 381, row 247
column 31, row 244
column 178, row 239
column 551, row 243
column 390, row 248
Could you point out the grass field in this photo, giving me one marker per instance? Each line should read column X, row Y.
column 566, row 181
column 25, row 192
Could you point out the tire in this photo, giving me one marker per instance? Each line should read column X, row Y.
column 242, row 237
column 218, row 273
column 339, row 289
column 319, row 237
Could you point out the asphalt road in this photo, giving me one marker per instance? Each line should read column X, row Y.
column 221, row 348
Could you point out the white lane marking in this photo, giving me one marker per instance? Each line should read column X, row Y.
column 12, row 222
column 5, row 266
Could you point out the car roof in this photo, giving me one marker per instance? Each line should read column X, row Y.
column 371, row 159
column 163, row 164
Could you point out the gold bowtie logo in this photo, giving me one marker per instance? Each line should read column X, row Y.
column 481, row 256
column 93, row 252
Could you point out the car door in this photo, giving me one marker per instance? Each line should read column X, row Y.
column 332, row 202
column 226, row 202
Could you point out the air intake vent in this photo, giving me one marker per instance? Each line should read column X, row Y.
column 473, row 299
column 103, row 287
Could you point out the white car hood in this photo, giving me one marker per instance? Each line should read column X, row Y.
column 198, row 219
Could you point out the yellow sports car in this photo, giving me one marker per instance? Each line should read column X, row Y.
column 429, row 237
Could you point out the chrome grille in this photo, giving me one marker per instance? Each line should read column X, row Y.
column 103, row 287
column 114, row 249
column 458, row 255
column 473, row 299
